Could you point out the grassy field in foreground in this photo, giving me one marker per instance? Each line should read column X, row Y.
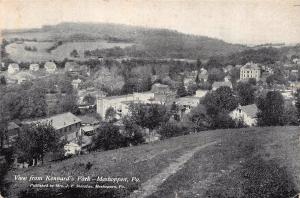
column 244, row 162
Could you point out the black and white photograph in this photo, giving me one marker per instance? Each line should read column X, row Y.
column 150, row 99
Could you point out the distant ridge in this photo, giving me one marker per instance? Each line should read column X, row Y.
column 154, row 42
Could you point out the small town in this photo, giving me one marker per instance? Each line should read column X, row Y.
column 150, row 104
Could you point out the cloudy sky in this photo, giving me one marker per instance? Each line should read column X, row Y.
column 235, row 21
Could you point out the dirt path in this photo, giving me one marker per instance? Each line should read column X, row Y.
column 152, row 184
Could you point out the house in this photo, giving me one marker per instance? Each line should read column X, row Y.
column 72, row 149
column 227, row 78
column 143, row 97
column 296, row 60
column 250, row 70
column 118, row 103
column 203, row 77
column 75, row 83
column 160, row 88
column 67, row 125
column 216, row 85
column 13, row 68
column 12, row 133
column 228, row 68
column 200, row 93
column 34, row 67
column 75, row 68
column 163, row 94
column 23, row 76
column 89, row 124
column 121, row 103
column 246, row 114
column 187, row 103
column 50, row 67
column 203, row 71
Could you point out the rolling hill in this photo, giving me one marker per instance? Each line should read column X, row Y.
column 147, row 42
column 248, row 162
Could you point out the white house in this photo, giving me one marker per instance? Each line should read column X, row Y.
column 120, row 103
column 13, row 68
column 50, row 67
column 218, row 84
column 296, row 60
column 188, row 103
column 246, row 114
column 143, row 97
column 72, row 149
column 200, row 93
column 34, row 67
column 75, row 83
column 250, row 70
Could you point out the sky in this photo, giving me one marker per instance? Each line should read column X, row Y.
column 234, row 21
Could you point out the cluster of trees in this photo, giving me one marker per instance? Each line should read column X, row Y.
column 274, row 111
column 29, row 100
column 115, row 52
column 54, row 46
column 74, row 53
column 30, row 48
column 35, row 141
column 142, row 118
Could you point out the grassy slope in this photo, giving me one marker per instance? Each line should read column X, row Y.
column 155, row 42
column 211, row 172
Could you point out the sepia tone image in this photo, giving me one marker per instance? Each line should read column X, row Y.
column 149, row 99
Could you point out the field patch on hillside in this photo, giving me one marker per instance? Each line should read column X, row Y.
column 18, row 53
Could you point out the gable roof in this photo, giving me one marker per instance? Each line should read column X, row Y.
column 203, row 76
column 50, row 65
column 188, row 100
column 250, row 110
column 12, row 126
column 72, row 66
column 250, row 66
column 13, row 65
column 59, row 121
column 85, row 119
column 219, row 84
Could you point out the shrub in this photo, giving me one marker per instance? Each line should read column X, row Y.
column 172, row 129
column 108, row 138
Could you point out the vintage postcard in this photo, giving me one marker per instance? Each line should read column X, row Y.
column 149, row 99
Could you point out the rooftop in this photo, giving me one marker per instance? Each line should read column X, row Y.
column 250, row 110
column 50, row 65
column 250, row 66
column 14, row 65
column 86, row 119
column 12, row 126
column 219, row 84
column 59, row 121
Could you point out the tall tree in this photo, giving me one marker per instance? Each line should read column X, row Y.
column 245, row 92
column 181, row 91
column 215, row 74
column 149, row 116
column 222, row 99
column 108, row 138
column 35, row 140
column 110, row 114
column 298, row 103
column 271, row 109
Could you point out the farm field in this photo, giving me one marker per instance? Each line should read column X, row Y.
column 250, row 162
column 18, row 53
